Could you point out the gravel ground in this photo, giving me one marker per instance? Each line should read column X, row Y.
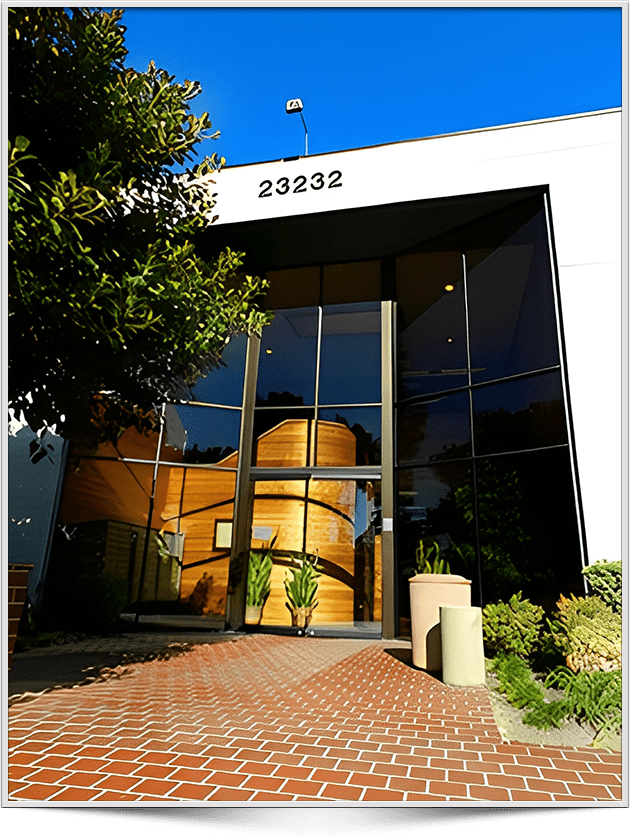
column 510, row 723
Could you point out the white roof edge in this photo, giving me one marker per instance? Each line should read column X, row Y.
column 440, row 136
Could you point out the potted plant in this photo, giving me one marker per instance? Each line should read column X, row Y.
column 431, row 587
column 258, row 585
column 301, row 591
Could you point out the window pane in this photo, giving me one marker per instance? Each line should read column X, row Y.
column 432, row 343
column 349, row 436
column 288, row 356
column 224, row 385
column 519, row 415
column 283, row 437
column 297, row 287
column 528, row 527
column 431, row 509
column 350, row 364
column 205, row 434
column 512, row 310
column 358, row 281
column 434, row 430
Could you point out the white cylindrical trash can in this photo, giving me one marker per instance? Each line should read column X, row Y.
column 462, row 646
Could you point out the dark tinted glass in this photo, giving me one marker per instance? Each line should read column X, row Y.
column 224, row 385
column 283, row 437
column 349, row 436
column 358, row 281
column 434, row 430
column 519, row 415
column 350, row 364
column 511, row 306
column 288, row 353
column 528, row 527
column 432, row 329
column 431, row 506
column 206, row 434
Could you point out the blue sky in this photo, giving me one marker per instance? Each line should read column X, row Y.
column 375, row 75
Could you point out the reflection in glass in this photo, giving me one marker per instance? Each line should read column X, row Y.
column 196, row 500
column 434, row 430
column 528, row 527
column 283, row 437
column 288, row 356
column 336, row 521
column 104, row 512
column 224, row 385
column 336, row 446
column 350, row 364
column 432, row 507
column 297, row 287
column 512, row 310
column 432, row 353
column 206, row 435
column 519, row 415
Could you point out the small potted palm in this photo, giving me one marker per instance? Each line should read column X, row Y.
column 258, row 585
column 301, row 591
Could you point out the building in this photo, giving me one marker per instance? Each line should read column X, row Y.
column 442, row 371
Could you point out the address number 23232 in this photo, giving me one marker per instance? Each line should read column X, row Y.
column 300, row 184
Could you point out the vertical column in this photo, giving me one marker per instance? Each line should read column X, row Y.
column 241, row 530
column 389, row 624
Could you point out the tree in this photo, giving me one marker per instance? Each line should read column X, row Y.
column 111, row 309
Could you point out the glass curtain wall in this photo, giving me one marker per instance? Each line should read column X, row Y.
column 483, row 461
column 152, row 514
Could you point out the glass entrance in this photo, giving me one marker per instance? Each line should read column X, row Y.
column 335, row 526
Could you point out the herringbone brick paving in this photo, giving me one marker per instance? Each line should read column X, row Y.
column 273, row 718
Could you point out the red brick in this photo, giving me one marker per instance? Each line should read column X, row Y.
column 258, row 768
column 524, row 771
column 341, row 792
column 120, row 767
column 424, row 796
column 117, row 782
column 596, row 778
column 368, row 780
column 390, row 769
column 408, row 784
column 354, row 766
column 252, row 755
column 191, row 776
column 111, row 795
column 489, row 793
column 151, row 770
column 411, row 760
column 295, row 787
column 37, row 792
column 272, row 796
column 76, row 794
column 382, row 795
column 224, row 764
column 280, row 757
column 546, row 786
column 125, row 754
column 155, row 787
column 511, row 782
column 227, row 779
column 560, row 775
column 48, row 776
column 229, row 794
column 606, row 767
column 298, row 772
column 428, row 773
column 588, row 789
column 261, row 782
column 332, row 776
column 446, row 788
column 524, row 795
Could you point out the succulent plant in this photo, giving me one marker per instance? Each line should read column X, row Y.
column 301, row 589
column 514, row 627
column 588, row 632
column 259, row 579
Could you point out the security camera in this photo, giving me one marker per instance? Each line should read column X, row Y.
column 295, row 106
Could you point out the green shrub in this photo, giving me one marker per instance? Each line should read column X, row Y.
column 605, row 580
column 514, row 627
column 588, row 632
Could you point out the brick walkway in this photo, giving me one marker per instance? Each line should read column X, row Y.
column 274, row 718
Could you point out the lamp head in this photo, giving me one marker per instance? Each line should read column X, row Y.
column 294, row 106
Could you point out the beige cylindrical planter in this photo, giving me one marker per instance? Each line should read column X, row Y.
column 462, row 646
column 427, row 594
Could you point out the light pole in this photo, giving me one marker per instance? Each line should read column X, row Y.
column 296, row 106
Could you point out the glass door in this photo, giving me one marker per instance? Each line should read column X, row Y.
column 335, row 526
